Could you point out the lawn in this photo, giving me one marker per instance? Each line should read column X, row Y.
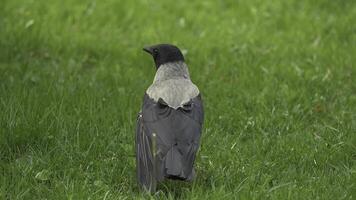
column 278, row 80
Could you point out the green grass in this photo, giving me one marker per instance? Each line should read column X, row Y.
column 278, row 79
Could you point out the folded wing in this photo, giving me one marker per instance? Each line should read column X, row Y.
column 167, row 140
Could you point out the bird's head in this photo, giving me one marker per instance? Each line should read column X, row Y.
column 164, row 53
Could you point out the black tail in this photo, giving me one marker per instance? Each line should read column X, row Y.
column 173, row 164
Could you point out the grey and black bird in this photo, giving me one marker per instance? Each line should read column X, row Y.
column 169, row 125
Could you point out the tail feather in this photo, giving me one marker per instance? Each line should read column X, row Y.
column 173, row 163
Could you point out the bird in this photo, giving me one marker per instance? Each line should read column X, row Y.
column 170, row 122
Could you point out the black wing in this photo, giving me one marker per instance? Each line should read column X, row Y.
column 144, row 158
column 167, row 140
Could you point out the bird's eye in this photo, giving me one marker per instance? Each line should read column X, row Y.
column 155, row 51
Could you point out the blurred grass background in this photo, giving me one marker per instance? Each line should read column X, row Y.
column 277, row 78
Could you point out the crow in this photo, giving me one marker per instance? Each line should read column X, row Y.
column 170, row 122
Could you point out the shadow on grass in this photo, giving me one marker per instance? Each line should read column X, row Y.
column 175, row 189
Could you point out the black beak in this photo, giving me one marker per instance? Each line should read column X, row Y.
column 148, row 50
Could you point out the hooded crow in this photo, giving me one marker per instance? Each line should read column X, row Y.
column 170, row 122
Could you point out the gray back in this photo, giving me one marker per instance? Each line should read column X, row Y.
column 172, row 83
